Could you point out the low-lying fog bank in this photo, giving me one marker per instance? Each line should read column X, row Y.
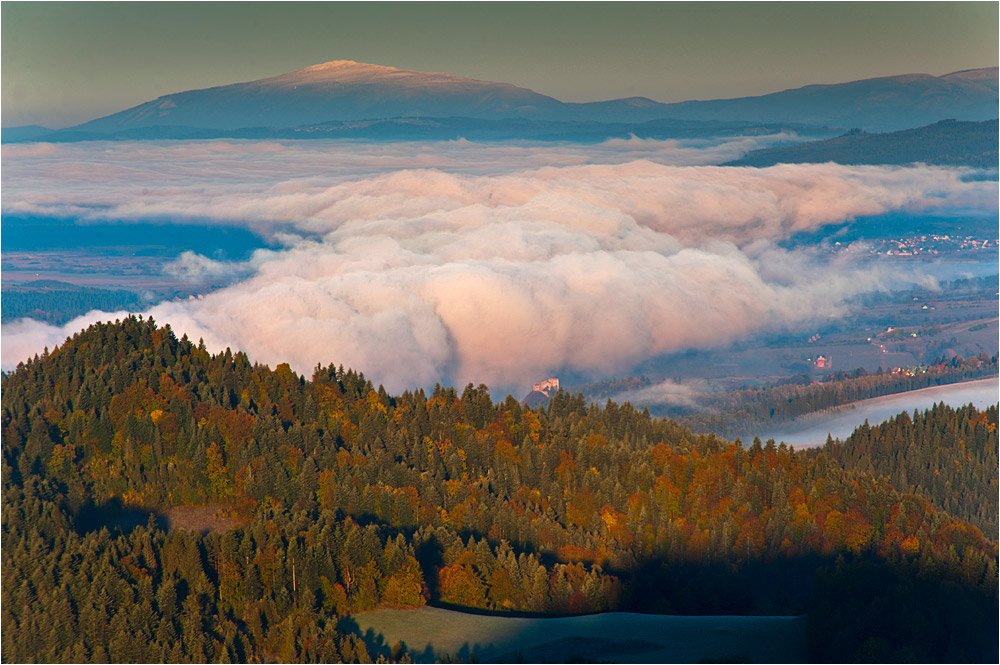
column 812, row 430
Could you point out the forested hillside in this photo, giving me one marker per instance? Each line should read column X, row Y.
column 349, row 498
column 948, row 456
column 58, row 302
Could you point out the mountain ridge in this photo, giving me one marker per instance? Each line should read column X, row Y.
column 885, row 103
column 345, row 90
column 946, row 142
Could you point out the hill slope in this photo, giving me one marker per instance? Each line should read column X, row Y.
column 346, row 498
column 947, row 455
column 23, row 133
column 338, row 90
column 949, row 142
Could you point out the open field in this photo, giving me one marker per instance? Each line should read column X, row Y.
column 201, row 519
column 430, row 632
column 82, row 268
column 209, row 518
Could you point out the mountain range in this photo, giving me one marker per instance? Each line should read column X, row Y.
column 879, row 104
column 329, row 99
column 447, row 129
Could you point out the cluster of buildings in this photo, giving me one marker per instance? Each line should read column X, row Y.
column 922, row 245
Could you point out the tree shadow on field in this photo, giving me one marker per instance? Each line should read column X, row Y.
column 807, row 608
column 116, row 517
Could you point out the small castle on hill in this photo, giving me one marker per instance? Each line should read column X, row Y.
column 541, row 392
column 548, row 386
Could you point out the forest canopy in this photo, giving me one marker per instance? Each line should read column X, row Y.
column 345, row 498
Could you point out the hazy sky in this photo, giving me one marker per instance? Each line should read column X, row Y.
column 65, row 63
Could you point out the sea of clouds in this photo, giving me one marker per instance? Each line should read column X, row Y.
column 499, row 263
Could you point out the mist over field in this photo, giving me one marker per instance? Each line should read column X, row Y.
column 497, row 264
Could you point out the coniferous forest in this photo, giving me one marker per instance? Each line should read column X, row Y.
column 945, row 455
column 735, row 412
column 346, row 498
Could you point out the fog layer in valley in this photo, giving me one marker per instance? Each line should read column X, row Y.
column 498, row 264
column 812, row 429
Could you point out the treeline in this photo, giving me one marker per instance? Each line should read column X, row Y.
column 60, row 305
column 947, row 455
column 756, row 410
column 351, row 498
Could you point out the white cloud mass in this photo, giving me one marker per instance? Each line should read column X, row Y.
column 499, row 264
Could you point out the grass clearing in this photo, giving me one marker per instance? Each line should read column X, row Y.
column 429, row 633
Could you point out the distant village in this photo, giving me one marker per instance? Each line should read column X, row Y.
column 922, row 245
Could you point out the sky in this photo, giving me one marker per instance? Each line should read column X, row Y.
column 66, row 63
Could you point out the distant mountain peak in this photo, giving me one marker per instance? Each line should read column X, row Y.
column 330, row 91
